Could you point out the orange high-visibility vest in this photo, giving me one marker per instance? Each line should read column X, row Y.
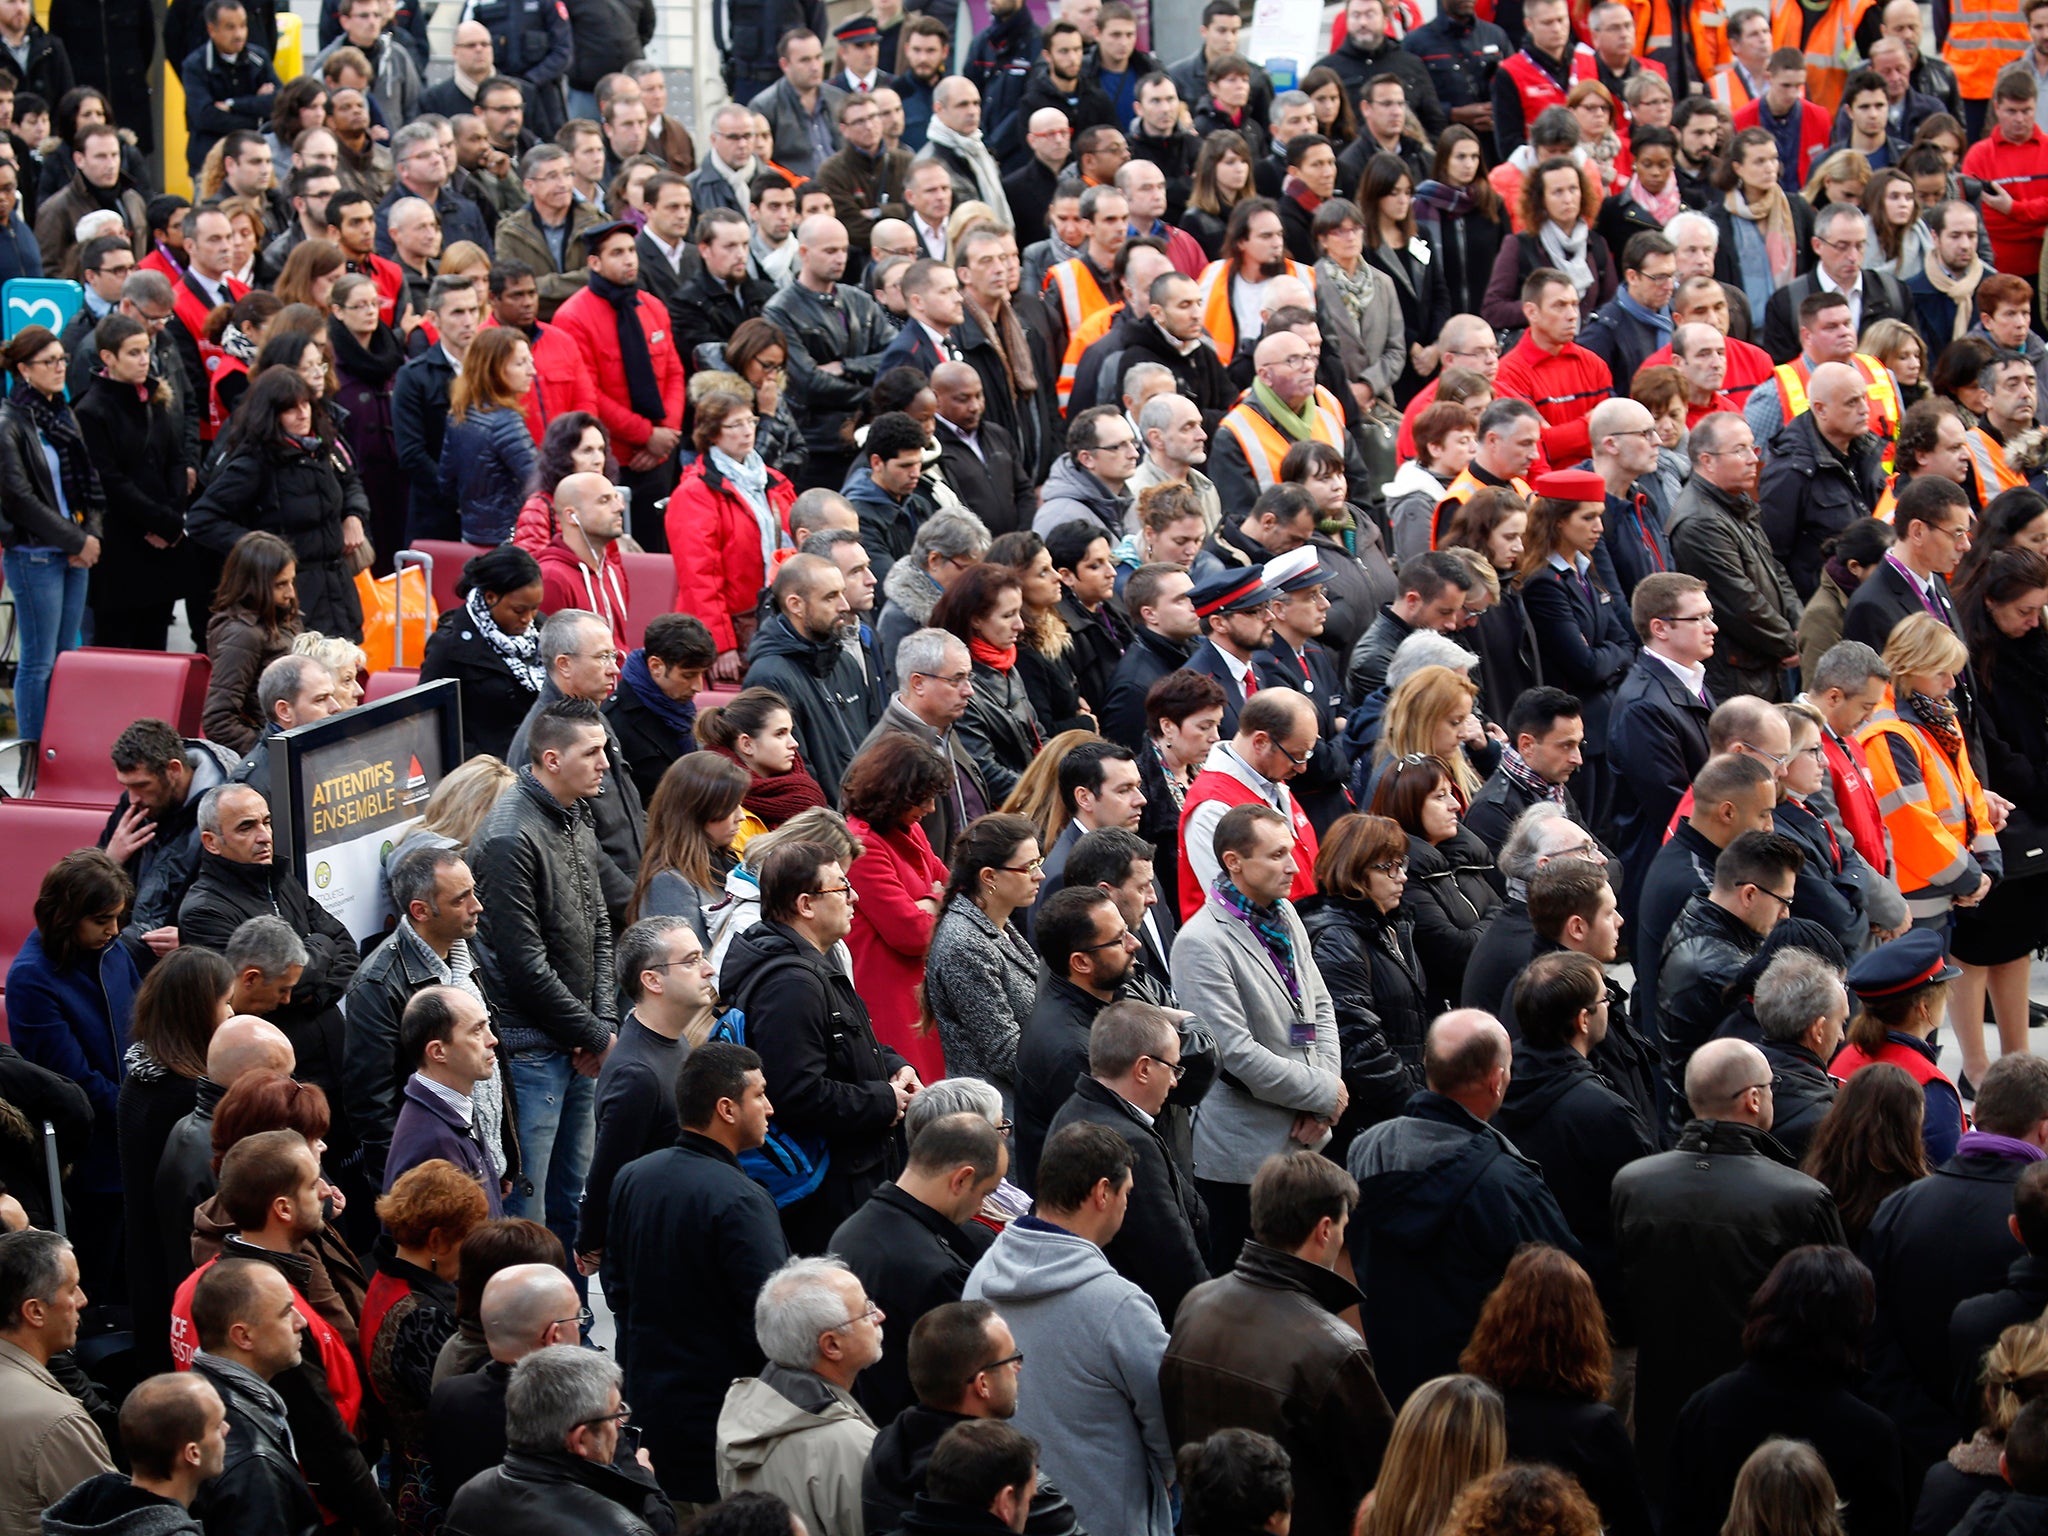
column 1090, row 331
column 1706, row 33
column 1265, row 445
column 1993, row 473
column 1080, row 295
column 1983, row 37
column 1937, row 827
column 1218, row 318
column 1830, row 48
column 1460, row 491
column 1884, row 398
column 1730, row 89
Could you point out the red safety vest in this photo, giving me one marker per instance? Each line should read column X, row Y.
column 1849, row 773
column 1850, row 1060
column 1223, row 788
column 344, row 1381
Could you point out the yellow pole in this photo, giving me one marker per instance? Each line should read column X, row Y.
column 290, row 63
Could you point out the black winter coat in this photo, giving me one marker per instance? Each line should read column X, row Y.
column 1706, row 949
column 1149, row 657
column 1698, row 1229
column 1506, row 944
column 152, row 1101
column 1000, row 729
column 494, row 701
column 828, row 1076
column 1588, row 1441
column 138, row 450
column 536, row 865
column 302, row 498
column 1562, row 1113
column 1159, row 1248
column 1950, row 1489
column 466, row 1423
column 1978, row 1322
column 260, row 1491
column 2005, row 1512
column 1100, row 640
column 911, row 1259
column 705, row 309
column 1449, row 897
column 1802, row 1093
column 826, row 687
column 1657, row 741
column 646, row 742
column 1586, row 644
column 544, row 1493
column 616, row 814
column 902, row 1452
column 28, row 494
column 1809, row 493
column 1932, row 1246
column 1382, row 1003
column 1682, row 869
column 691, row 1240
column 1727, row 1420
column 1052, row 1054
column 181, row 1181
column 1499, row 803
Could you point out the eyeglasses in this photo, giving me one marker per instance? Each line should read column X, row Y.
column 950, row 679
column 1178, row 1070
column 583, row 1319
column 1644, row 432
column 873, row 1312
column 1687, row 618
column 1118, row 939
column 1770, row 756
column 997, row 1365
column 1129, row 444
column 1783, row 901
column 1817, row 752
column 1746, row 451
column 1842, row 247
column 1960, row 532
column 625, row 1412
column 1393, row 869
column 1030, row 868
column 834, row 890
column 52, row 360
column 1281, row 748
column 1299, row 359
column 1005, row 1127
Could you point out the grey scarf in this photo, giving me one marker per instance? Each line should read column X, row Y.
column 1567, row 252
column 988, row 176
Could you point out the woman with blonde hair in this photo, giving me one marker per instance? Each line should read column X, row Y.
column 487, row 457
column 1429, row 715
column 1900, row 348
column 341, row 656
column 1037, row 792
column 1784, row 1490
column 461, row 801
column 1451, row 1432
column 246, row 233
column 2014, row 1372
column 1843, row 177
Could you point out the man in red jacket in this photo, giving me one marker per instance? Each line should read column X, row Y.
column 1551, row 370
column 2014, row 157
column 636, row 369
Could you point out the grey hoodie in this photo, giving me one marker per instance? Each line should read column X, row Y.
column 795, row 1435
column 1095, row 1342
column 110, row 1505
column 1072, row 492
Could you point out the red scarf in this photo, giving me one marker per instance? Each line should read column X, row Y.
column 1002, row 658
column 776, row 797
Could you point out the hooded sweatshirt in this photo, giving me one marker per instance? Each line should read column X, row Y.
column 1071, row 492
column 795, row 1435
column 110, row 1505
column 1095, row 1342
column 1412, row 497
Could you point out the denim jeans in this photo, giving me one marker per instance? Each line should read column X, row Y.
column 557, row 1127
column 49, row 603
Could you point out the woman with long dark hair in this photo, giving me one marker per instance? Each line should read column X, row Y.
column 487, row 458
column 691, row 822
column 1223, row 179
column 300, row 104
column 54, row 505
column 1336, row 117
column 1449, row 893
column 255, row 620
column 70, row 994
column 1495, row 522
column 575, row 443
column 984, row 609
column 1766, row 232
column 1354, row 555
column 758, row 352
column 1869, row 1146
column 1802, row 1349
column 1541, row 1339
column 1460, row 214
column 277, row 475
column 367, row 357
column 755, row 729
column 1386, row 198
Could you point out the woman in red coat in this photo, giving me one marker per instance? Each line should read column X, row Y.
column 725, row 521
column 898, row 883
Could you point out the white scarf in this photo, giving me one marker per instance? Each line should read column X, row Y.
column 749, row 479
column 1567, row 253
column 742, row 180
column 988, row 176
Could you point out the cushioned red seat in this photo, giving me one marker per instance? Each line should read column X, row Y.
column 35, row 837
column 384, row 684
column 650, row 592
column 449, row 558
column 95, row 694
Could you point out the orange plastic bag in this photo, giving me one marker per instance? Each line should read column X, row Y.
column 385, row 627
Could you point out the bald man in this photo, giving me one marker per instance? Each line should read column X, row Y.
column 980, row 459
column 1050, row 138
column 1100, row 369
column 1633, row 543
column 524, row 1308
column 1444, row 1202
column 1250, row 442
column 582, row 566
column 1466, row 341
column 1699, row 1228
column 1822, row 471
column 835, row 330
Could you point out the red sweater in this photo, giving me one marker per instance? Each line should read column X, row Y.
column 2022, row 170
column 1564, row 386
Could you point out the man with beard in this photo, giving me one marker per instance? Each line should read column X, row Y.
column 1056, row 81
column 1234, row 289
column 1368, row 53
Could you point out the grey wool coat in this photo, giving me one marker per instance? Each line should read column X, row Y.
column 980, row 986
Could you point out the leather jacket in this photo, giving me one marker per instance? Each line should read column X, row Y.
column 854, row 330
column 28, row 496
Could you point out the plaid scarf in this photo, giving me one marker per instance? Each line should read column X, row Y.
column 1270, row 930
column 1521, row 773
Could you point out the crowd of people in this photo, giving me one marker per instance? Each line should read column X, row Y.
column 1333, row 758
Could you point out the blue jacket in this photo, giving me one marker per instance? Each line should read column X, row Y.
column 20, row 256
column 487, row 464
column 427, row 1128
column 75, row 1023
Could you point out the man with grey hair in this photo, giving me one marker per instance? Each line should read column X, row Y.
column 946, row 544
column 524, row 1308
column 267, row 959
column 48, row 1442
column 1697, row 241
column 1802, row 1008
column 933, row 684
column 954, row 139
column 1142, row 384
column 1170, row 427
column 423, row 173
column 581, row 659
column 292, row 691
column 415, row 239
column 434, row 945
column 795, row 1430
column 1840, row 235
column 726, row 177
column 563, row 1417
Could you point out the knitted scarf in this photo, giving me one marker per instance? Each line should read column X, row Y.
column 988, row 176
column 1005, row 332
column 1000, row 657
column 1357, row 293
column 1845, row 578
column 373, row 364
column 643, row 390
column 1661, row 206
column 1299, row 425
column 749, row 479
column 1521, row 773
column 679, row 715
column 776, row 797
column 1962, row 290
column 59, row 428
column 1774, row 222
column 520, row 653
column 1444, row 200
column 1566, row 249
column 1298, row 191
column 1938, row 718
column 1271, row 931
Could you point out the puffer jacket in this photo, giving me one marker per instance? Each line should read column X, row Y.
column 72, row 1021
column 136, row 443
column 715, row 540
column 852, row 330
column 301, row 497
column 28, row 493
column 536, row 864
column 1449, row 897
column 1070, row 492
column 826, row 687
column 1412, row 496
column 240, row 648
column 1376, row 984
column 544, row 1493
column 1705, row 950
column 1000, row 728
column 487, row 461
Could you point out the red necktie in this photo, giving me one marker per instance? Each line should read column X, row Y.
column 1251, row 684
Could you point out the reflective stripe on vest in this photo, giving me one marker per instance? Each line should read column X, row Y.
column 1940, row 791
column 1265, row 445
column 1090, row 331
column 1830, row 48
column 1080, row 295
column 1877, row 383
column 1993, row 473
column 1983, row 37
column 1730, row 89
column 1218, row 318
column 1461, row 491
